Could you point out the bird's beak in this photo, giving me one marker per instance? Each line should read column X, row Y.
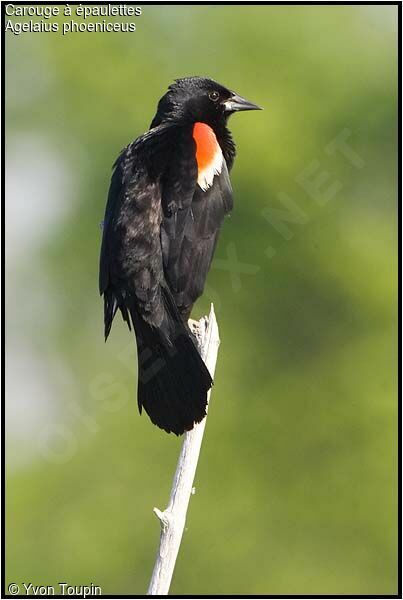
column 236, row 103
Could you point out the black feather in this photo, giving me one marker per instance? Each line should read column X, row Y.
column 159, row 235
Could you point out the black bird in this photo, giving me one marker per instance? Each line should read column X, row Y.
column 169, row 193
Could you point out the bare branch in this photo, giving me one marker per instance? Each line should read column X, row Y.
column 173, row 518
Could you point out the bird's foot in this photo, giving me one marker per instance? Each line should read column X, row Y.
column 198, row 330
column 194, row 327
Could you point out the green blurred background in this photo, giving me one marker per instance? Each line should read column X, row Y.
column 296, row 489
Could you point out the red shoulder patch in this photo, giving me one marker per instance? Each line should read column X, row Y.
column 206, row 145
column 208, row 154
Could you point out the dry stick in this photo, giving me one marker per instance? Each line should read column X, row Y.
column 173, row 518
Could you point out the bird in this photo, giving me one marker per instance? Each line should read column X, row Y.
column 169, row 193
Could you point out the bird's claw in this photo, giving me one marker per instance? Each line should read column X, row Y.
column 196, row 330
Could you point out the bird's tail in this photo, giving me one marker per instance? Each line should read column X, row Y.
column 173, row 380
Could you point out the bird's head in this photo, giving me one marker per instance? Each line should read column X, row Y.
column 192, row 99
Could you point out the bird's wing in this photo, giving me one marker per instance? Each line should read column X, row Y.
column 120, row 174
column 131, row 268
column 154, row 179
column 189, row 238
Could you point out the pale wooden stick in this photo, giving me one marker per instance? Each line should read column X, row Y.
column 174, row 517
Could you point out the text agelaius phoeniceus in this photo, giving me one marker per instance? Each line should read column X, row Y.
column 169, row 194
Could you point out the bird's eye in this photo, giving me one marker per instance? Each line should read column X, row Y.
column 214, row 96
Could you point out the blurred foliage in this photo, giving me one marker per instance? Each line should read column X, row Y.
column 297, row 480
